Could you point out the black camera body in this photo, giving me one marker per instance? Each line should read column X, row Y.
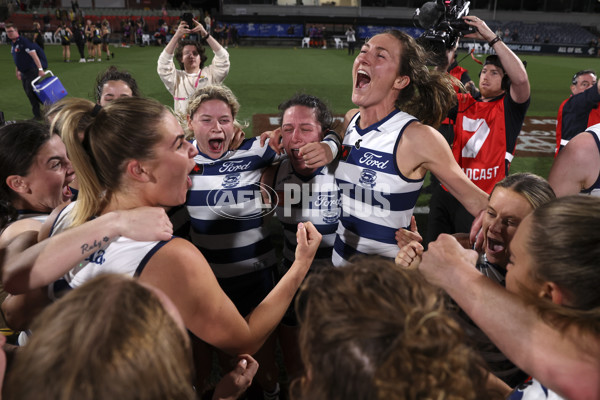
column 189, row 19
column 443, row 22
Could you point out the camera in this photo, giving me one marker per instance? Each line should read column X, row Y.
column 443, row 23
column 189, row 19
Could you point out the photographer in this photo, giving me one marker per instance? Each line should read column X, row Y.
column 486, row 129
column 190, row 55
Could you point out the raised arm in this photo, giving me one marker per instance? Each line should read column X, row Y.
column 561, row 361
column 180, row 270
column 520, row 89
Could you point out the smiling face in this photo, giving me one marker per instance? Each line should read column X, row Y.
column 506, row 209
column 113, row 90
column 191, row 59
column 212, row 124
column 375, row 73
column 46, row 183
column 299, row 126
column 170, row 168
column 490, row 81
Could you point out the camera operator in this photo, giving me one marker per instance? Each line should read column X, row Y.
column 485, row 131
column 190, row 55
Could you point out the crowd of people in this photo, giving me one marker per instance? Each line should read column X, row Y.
column 136, row 240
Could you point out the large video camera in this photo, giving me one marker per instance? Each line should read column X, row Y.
column 443, row 22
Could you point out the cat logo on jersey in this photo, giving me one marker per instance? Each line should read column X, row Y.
column 368, row 178
column 231, row 180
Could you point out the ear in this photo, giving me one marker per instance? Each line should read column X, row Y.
column 552, row 292
column 137, row 171
column 17, row 183
column 189, row 123
column 401, row 82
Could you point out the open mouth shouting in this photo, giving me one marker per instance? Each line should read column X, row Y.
column 362, row 79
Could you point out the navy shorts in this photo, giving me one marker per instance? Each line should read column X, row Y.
column 248, row 290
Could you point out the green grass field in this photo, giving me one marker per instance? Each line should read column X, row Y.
column 262, row 77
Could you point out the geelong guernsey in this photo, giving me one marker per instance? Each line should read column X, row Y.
column 121, row 256
column 313, row 198
column 594, row 190
column 227, row 212
column 377, row 199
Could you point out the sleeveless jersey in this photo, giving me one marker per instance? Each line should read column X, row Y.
column 485, row 137
column 377, row 199
column 121, row 256
column 594, row 190
column 227, row 212
column 533, row 390
column 576, row 114
column 314, row 198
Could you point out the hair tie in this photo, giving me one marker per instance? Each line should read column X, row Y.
column 96, row 110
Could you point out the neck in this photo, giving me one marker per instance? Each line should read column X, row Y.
column 372, row 115
column 125, row 201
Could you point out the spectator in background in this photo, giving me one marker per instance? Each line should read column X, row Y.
column 580, row 110
column 191, row 58
column 30, row 61
column 79, row 39
column 106, row 31
column 38, row 36
column 65, row 35
column 207, row 22
column 351, row 39
column 89, row 35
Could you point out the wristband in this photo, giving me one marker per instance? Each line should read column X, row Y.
column 206, row 37
column 334, row 142
column 494, row 41
column 40, row 69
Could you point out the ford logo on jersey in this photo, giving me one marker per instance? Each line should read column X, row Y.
column 231, row 180
column 368, row 177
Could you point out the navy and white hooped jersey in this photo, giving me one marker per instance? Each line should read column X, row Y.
column 227, row 212
column 121, row 256
column 594, row 190
column 377, row 199
column 533, row 390
column 314, row 198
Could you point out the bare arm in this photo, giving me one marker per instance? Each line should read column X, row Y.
column 207, row 311
column 566, row 362
column 422, row 149
column 576, row 166
column 30, row 265
column 37, row 62
column 520, row 89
